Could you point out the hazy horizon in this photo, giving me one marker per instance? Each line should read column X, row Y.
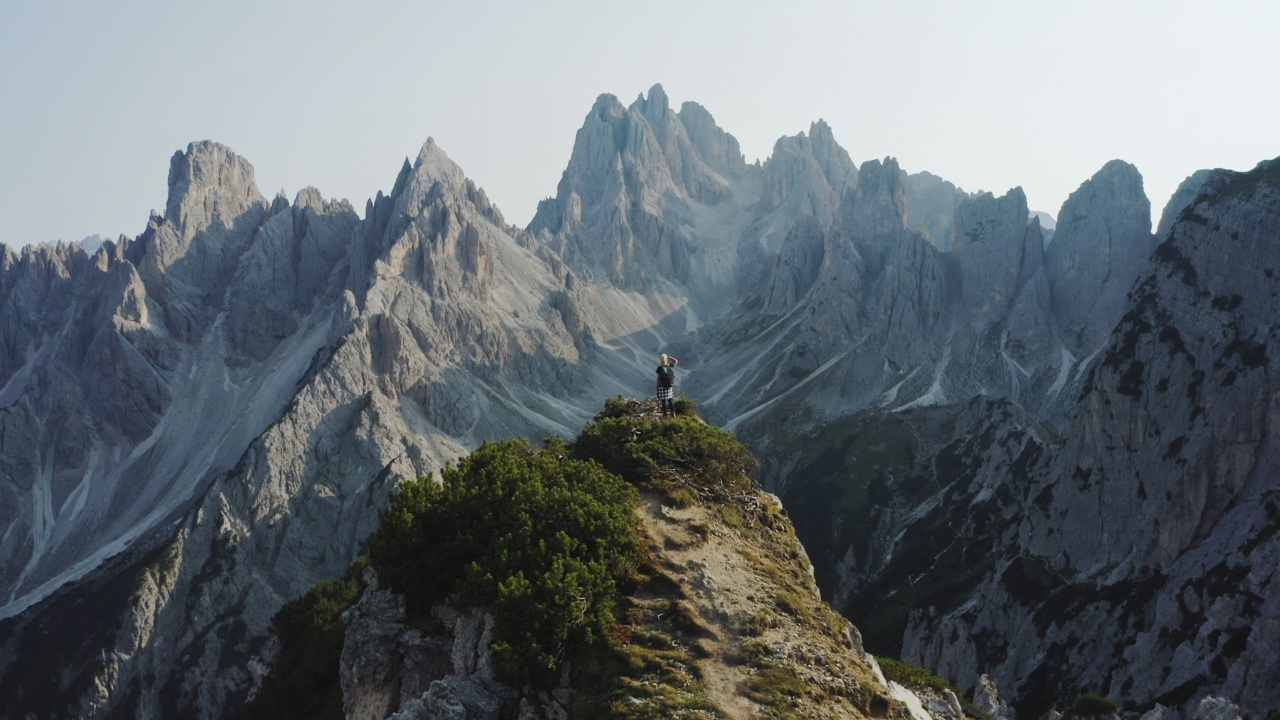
column 336, row 95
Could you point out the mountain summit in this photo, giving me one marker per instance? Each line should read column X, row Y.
column 698, row 594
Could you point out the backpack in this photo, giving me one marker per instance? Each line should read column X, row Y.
column 666, row 376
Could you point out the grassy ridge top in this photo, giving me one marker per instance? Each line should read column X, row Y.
column 640, row 557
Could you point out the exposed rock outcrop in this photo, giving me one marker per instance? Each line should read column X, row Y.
column 808, row 174
column 721, row 612
column 392, row 670
column 336, row 358
column 1182, row 197
column 987, row 697
column 630, row 167
column 1143, row 537
column 933, row 203
column 1099, row 248
column 188, row 256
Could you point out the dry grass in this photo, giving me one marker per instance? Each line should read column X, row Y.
column 747, row 614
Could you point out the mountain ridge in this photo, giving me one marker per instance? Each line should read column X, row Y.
column 718, row 619
column 333, row 355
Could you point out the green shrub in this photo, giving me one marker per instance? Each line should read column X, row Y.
column 646, row 452
column 1090, row 706
column 761, row 621
column 685, row 406
column 303, row 682
column 912, row 676
column 620, row 406
column 791, row 604
column 537, row 539
column 681, row 497
column 730, row 516
column 915, row 677
column 542, row 540
column 775, row 687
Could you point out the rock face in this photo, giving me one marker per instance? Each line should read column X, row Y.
column 1101, row 244
column 1141, row 534
column 987, row 698
column 663, row 203
column 933, row 204
column 1173, row 428
column 1051, row 464
column 629, row 168
column 867, row 311
column 390, row 669
column 242, row 441
column 808, row 173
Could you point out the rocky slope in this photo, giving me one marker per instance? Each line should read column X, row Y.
column 1130, row 552
column 255, row 433
column 199, row 423
column 723, row 588
column 722, row 619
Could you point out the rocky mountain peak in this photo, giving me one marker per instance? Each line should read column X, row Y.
column 433, row 183
column 1101, row 243
column 110, row 252
column 209, row 184
column 877, row 207
column 978, row 218
column 311, row 197
column 990, row 240
column 606, row 107
column 432, row 166
column 187, row 256
column 808, row 173
column 1182, row 197
column 406, row 170
column 628, row 186
column 821, row 135
column 437, row 227
column 593, row 167
column 660, row 154
column 1115, row 196
column 432, row 154
column 1119, row 179
column 931, row 206
column 718, row 148
column 841, row 172
column 656, row 107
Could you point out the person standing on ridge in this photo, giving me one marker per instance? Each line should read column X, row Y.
column 667, row 385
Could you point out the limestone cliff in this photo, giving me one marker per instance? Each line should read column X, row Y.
column 1101, row 244
column 1128, row 552
column 239, row 443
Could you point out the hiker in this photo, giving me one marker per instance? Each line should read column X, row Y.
column 667, row 385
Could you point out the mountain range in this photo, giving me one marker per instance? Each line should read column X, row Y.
column 1045, row 455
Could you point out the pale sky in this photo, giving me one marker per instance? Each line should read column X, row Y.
column 96, row 96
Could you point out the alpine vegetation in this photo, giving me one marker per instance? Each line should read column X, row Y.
column 575, row 581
